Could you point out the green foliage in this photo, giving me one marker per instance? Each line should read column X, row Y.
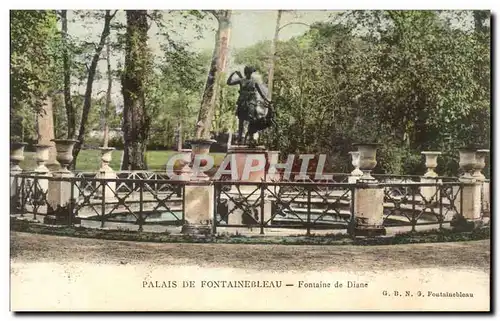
column 32, row 42
column 173, row 93
column 407, row 79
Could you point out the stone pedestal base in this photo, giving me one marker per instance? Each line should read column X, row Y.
column 485, row 203
column 242, row 156
column 429, row 193
column 109, row 191
column 60, row 215
column 368, row 210
column 15, row 191
column 368, row 231
column 470, row 204
column 460, row 224
column 196, row 230
column 58, row 200
column 198, row 208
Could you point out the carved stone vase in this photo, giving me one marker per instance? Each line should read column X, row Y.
column 367, row 159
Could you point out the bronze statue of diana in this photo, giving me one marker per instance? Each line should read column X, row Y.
column 253, row 106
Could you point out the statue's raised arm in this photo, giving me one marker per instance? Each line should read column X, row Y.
column 231, row 81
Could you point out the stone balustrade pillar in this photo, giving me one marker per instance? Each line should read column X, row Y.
column 469, row 201
column 485, row 184
column 368, row 209
column 106, row 172
column 42, row 156
column 59, row 198
column 368, row 196
column 16, row 157
column 198, row 193
column 430, row 193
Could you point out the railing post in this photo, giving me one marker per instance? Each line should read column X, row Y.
column 23, row 195
column 141, row 198
column 72, row 202
column 441, row 218
column 308, row 211
column 103, row 202
column 215, row 207
column 35, row 197
column 262, row 209
column 352, row 222
column 413, row 221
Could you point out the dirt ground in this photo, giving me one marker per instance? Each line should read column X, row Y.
column 53, row 273
column 26, row 247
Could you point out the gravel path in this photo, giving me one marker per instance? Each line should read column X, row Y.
column 51, row 273
column 47, row 248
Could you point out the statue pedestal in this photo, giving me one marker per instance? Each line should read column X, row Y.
column 250, row 163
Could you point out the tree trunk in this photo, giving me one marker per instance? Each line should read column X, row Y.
column 108, row 96
column 70, row 111
column 135, row 120
column 218, row 66
column 45, row 130
column 179, row 136
column 87, row 102
column 479, row 17
column 272, row 59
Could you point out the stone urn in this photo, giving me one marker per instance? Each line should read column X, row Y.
column 431, row 163
column 16, row 155
column 355, row 157
column 367, row 159
column 467, row 161
column 199, row 147
column 42, row 156
column 64, row 148
column 480, row 163
column 106, row 158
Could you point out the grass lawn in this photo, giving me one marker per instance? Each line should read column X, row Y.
column 90, row 160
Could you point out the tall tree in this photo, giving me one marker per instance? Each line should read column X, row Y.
column 87, row 102
column 135, row 118
column 273, row 54
column 217, row 67
column 108, row 94
column 70, row 111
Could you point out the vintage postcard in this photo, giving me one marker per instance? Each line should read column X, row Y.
column 250, row 160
